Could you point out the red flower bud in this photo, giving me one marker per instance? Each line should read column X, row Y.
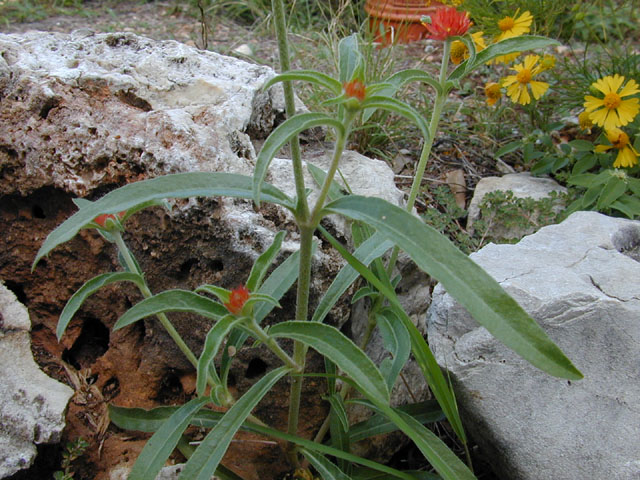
column 102, row 219
column 354, row 89
column 237, row 299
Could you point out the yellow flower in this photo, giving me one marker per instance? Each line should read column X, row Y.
column 493, row 93
column 585, row 122
column 612, row 111
column 517, row 84
column 627, row 155
column 460, row 52
column 513, row 27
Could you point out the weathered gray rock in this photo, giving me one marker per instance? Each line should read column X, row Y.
column 32, row 405
column 579, row 280
column 523, row 185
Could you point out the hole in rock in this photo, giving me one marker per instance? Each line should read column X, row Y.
column 135, row 101
column 90, row 345
column 256, row 368
column 17, row 290
column 37, row 212
column 216, row 265
column 46, row 461
column 49, row 105
column 231, row 380
column 111, row 388
column 185, row 268
column 170, row 389
column 627, row 241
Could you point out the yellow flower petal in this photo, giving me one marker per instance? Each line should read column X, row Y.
column 614, row 82
column 612, row 120
column 630, row 88
column 628, row 109
column 599, row 116
column 509, row 80
column 602, row 148
column 591, row 103
column 538, row 88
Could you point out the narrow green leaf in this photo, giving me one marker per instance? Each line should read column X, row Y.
column 220, row 293
column 363, row 293
column 510, row 45
column 214, row 339
column 311, row 76
column 332, row 343
column 207, row 456
column 371, row 249
column 150, row 420
column 179, row 185
column 279, row 137
column 584, row 180
column 326, row 469
column 335, row 190
column 399, row 107
column 445, row 462
column 161, row 444
column 628, row 205
column 581, row 145
column 349, row 57
column 90, row 287
column 468, row 283
column 401, row 78
column 508, row 148
column 611, row 191
column 396, row 340
column 363, row 473
column 172, row 301
column 263, row 262
column 584, row 164
column 424, row 412
column 337, row 406
column 424, row 357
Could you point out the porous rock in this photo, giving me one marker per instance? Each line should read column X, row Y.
column 84, row 113
column 32, row 405
column 579, row 280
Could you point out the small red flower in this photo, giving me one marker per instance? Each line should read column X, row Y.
column 354, row 89
column 237, row 299
column 102, row 219
column 447, row 22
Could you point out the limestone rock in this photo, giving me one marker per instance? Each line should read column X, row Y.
column 32, row 405
column 523, row 185
column 579, row 280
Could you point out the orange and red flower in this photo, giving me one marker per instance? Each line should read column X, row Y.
column 447, row 22
column 354, row 89
column 237, row 299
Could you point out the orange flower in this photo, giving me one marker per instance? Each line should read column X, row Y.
column 102, row 219
column 447, row 22
column 237, row 299
column 354, row 89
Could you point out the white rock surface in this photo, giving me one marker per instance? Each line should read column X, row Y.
column 580, row 281
column 32, row 405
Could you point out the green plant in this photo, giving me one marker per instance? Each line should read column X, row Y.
column 72, row 451
column 377, row 227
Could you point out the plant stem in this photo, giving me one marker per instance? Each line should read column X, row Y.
column 302, row 208
column 438, row 105
column 272, row 345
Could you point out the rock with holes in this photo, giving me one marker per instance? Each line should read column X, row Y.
column 84, row 113
column 32, row 405
column 580, row 281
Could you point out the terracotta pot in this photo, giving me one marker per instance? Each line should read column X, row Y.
column 399, row 20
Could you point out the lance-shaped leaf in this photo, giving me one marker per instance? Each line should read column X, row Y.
column 151, row 420
column 399, row 107
column 326, row 469
column 332, row 343
column 467, row 282
column 396, row 340
column 279, row 137
column 401, row 78
column 90, row 287
column 207, row 456
column 214, row 339
column 424, row 357
column 349, row 57
column 311, row 76
column 424, row 412
column 172, row 301
column 161, row 444
column 371, row 249
column 263, row 262
column 510, row 45
column 179, row 185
